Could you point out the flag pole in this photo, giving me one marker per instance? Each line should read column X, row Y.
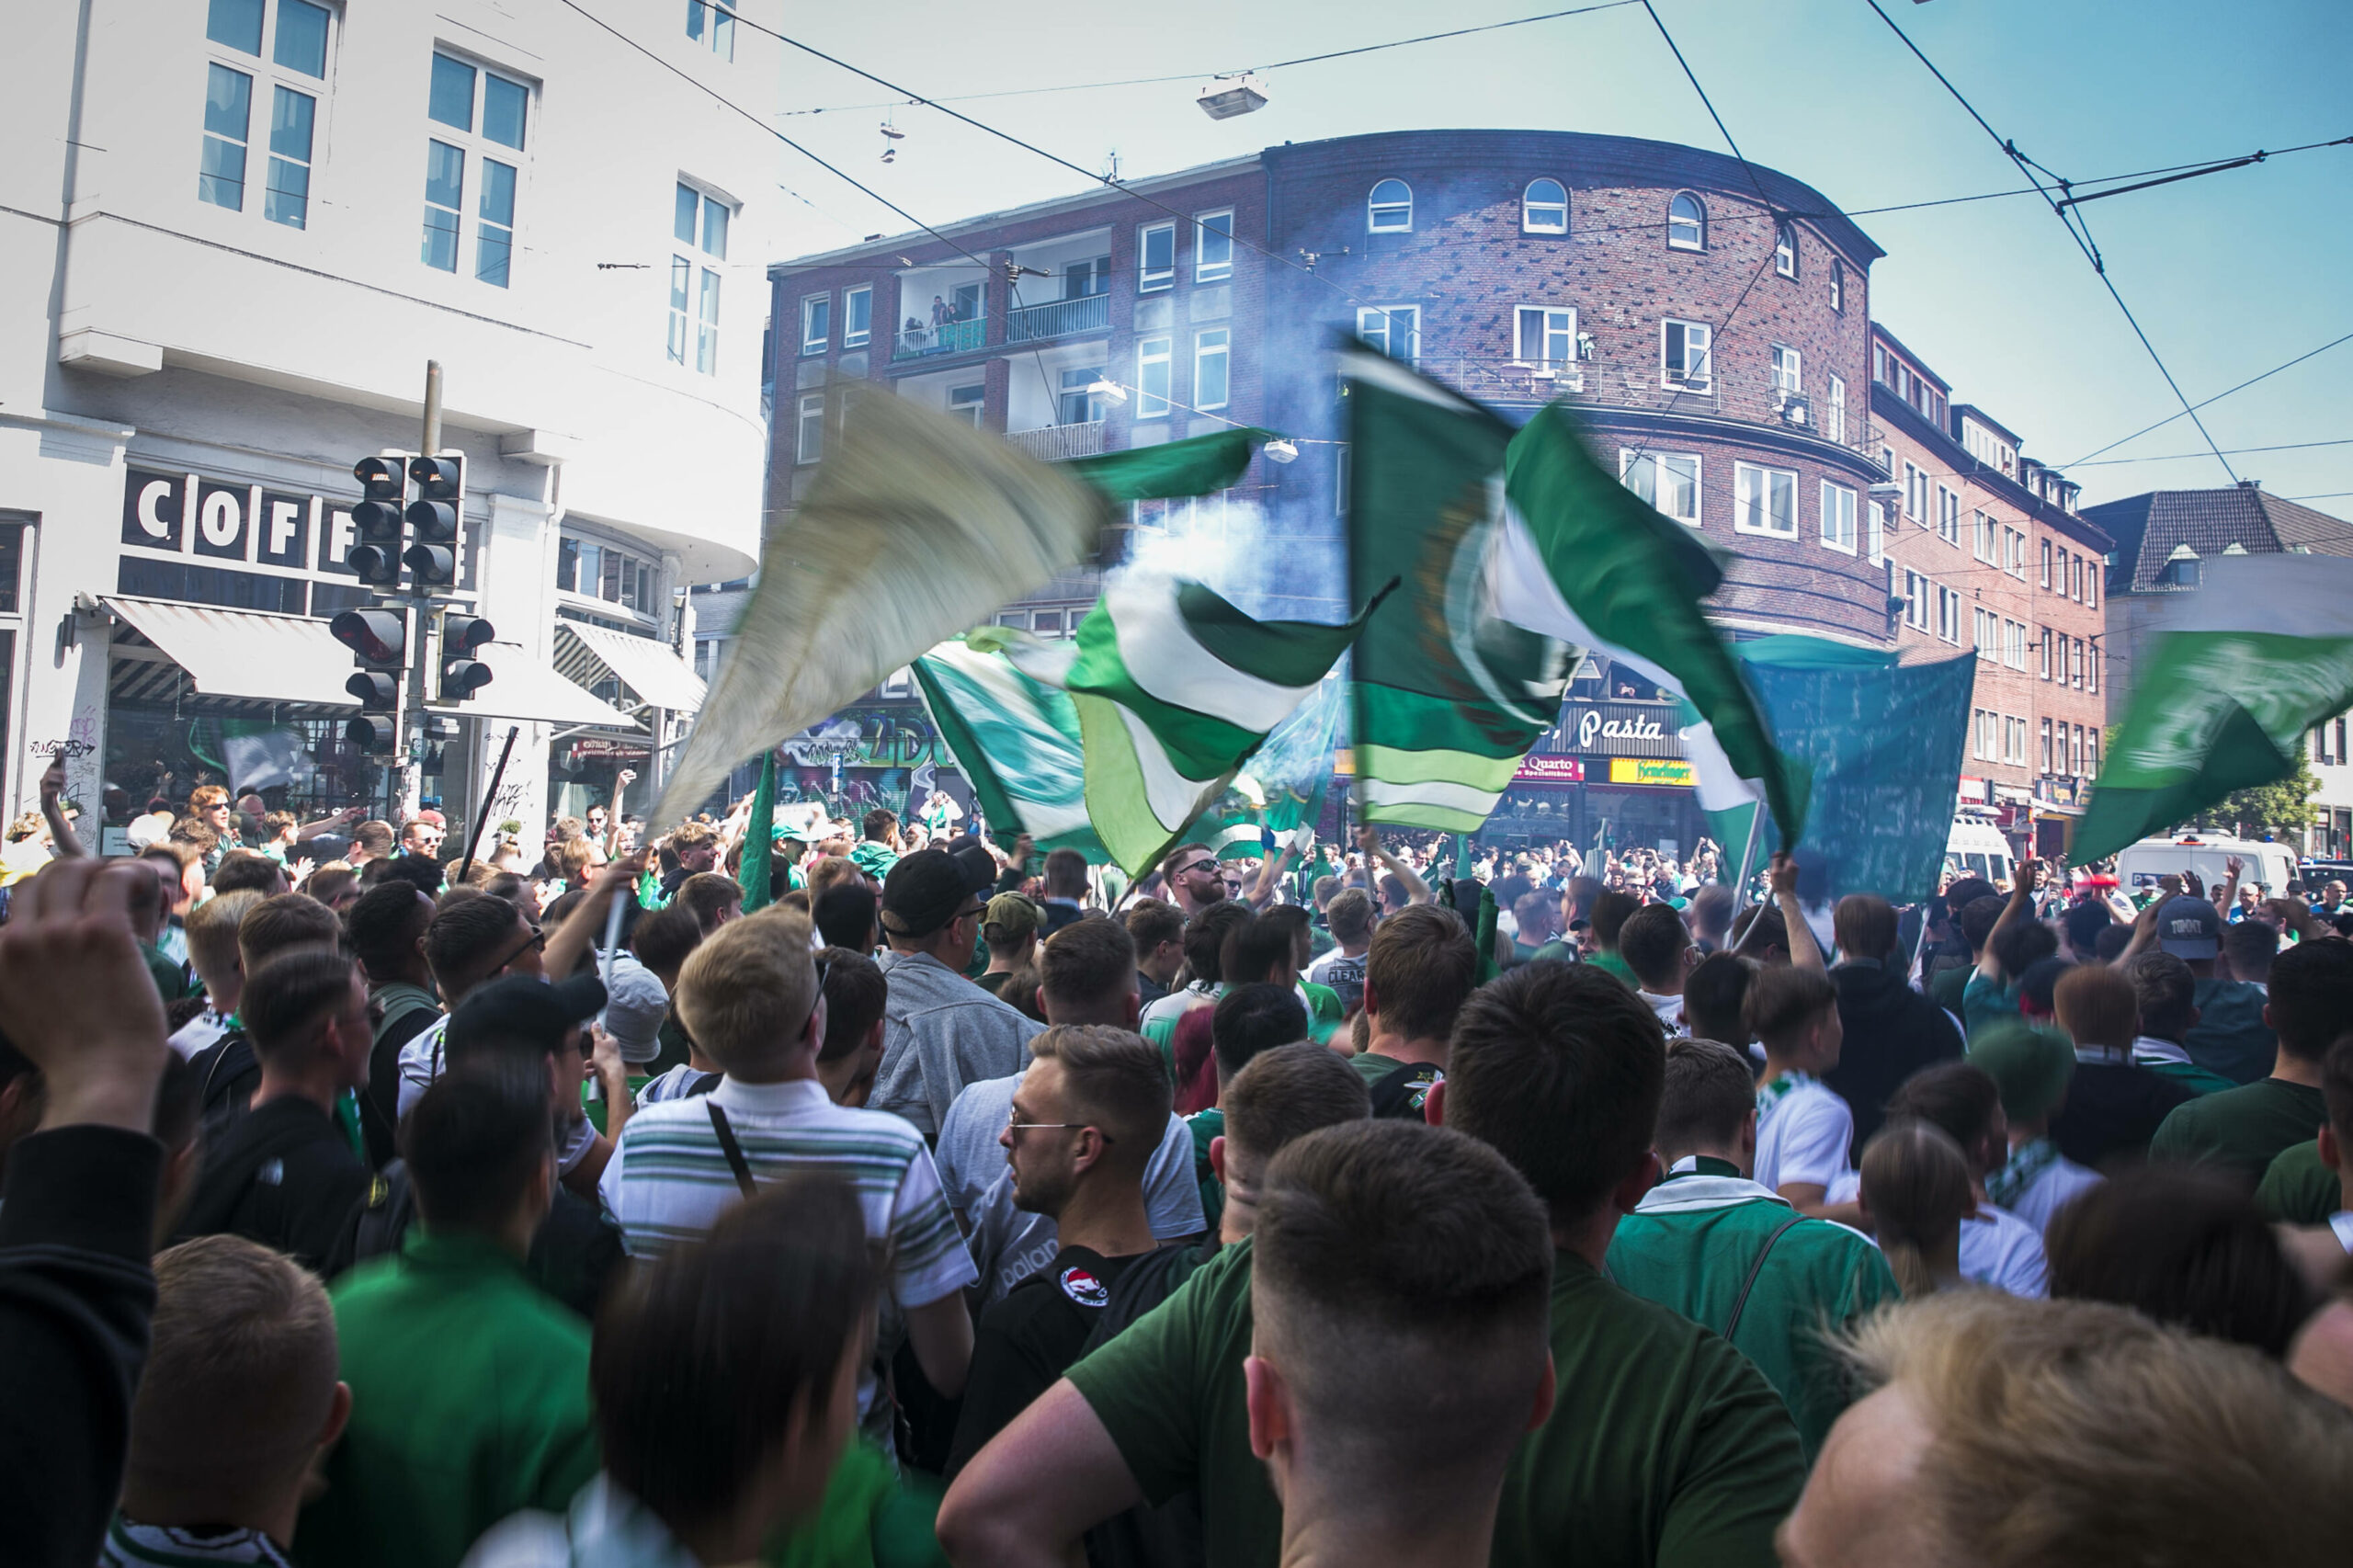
column 489, row 799
column 1748, row 852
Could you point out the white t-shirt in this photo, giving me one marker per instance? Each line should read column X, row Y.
column 1668, row 1008
column 2058, row 1184
column 1323, row 966
column 1997, row 1248
column 199, row 1033
column 1802, row 1132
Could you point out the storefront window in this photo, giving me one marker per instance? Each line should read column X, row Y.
column 602, row 572
column 161, row 751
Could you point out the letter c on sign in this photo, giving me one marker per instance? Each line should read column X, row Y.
column 220, row 519
column 150, row 495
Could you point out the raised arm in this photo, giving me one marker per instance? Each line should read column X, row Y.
column 621, row 781
column 577, row 935
column 342, row 818
column 1416, row 890
column 1781, row 875
column 2022, row 885
column 52, row 809
column 1262, row 889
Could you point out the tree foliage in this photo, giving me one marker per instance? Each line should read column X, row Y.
column 2283, row 809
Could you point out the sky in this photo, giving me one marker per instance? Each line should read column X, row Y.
column 2229, row 275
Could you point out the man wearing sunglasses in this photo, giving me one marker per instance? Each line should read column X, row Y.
column 941, row 1031
column 1195, row 880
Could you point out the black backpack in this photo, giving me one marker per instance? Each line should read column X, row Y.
column 1400, row 1094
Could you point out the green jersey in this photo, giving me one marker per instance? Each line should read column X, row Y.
column 2244, row 1129
column 2298, row 1190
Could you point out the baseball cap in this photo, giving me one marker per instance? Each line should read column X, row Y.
column 1011, row 914
column 2189, row 927
column 924, row 889
column 527, row 1007
column 635, row 1004
column 2030, row 1066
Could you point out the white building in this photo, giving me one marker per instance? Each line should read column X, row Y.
column 233, row 233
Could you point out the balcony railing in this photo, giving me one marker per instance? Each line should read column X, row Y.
column 1055, row 442
column 1088, row 312
column 949, row 337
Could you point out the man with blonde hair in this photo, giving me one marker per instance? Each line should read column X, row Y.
column 2010, row 1434
column 213, row 953
column 237, row 1398
column 2115, row 1101
column 754, row 1003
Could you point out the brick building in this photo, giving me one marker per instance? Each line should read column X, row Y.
column 1985, row 550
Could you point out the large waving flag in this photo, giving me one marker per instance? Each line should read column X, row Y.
column 1585, row 560
column 917, row 527
column 2236, row 673
column 1017, row 739
column 1171, row 689
column 1448, row 696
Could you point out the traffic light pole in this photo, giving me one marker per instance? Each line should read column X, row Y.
column 413, row 716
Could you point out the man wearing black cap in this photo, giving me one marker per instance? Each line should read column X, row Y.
column 939, row 1030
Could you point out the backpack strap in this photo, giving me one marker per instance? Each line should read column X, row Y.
column 1740, row 1302
column 727, row 1146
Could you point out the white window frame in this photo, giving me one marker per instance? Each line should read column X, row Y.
column 694, row 281
column 1789, row 370
column 1838, row 285
column 816, row 322
column 711, row 23
column 1693, row 333
column 265, row 77
column 808, row 431
column 853, row 336
column 1919, row 608
column 1553, row 321
column 1378, row 325
column 1530, row 207
column 1916, row 494
column 1696, row 237
column 2046, row 563
column 476, row 147
column 1949, row 515
column 1984, row 543
column 1785, row 249
column 1213, row 345
column 1149, row 278
column 1949, row 615
column 1875, row 522
column 1152, row 363
column 971, row 410
column 1839, row 521
column 1206, row 268
column 1632, row 466
column 1384, row 217
column 1754, row 486
column 1835, row 425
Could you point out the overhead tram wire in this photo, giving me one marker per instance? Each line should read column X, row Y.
column 2217, row 397
column 2076, row 228
column 2233, row 451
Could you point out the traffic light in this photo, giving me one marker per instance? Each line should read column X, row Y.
column 433, row 515
column 383, row 486
column 462, row 675
column 379, row 643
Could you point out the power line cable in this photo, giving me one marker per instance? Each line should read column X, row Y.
column 2217, row 397
column 2076, row 230
column 2233, row 451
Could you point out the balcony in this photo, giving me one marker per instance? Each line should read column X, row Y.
column 1056, row 442
column 949, row 337
column 1088, row 312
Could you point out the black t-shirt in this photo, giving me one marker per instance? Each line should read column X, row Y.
column 2113, row 1111
column 1026, row 1341
column 380, row 1102
column 282, row 1175
column 228, row 1071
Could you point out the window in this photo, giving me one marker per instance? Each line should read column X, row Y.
column 1390, row 209
column 1078, row 402
column 2076, row 577
column 1151, row 377
column 1395, row 330
column 2046, row 652
column 1984, row 744
column 1683, row 355
column 602, row 572
column 1875, row 521
column 810, row 442
column 1669, row 482
column 1838, row 285
column 1788, row 377
column 2091, row 582
column 816, row 322
column 1544, row 208
column 2091, row 666
column 1785, row 248
column 1212, row 367
column 1985, row 628
column 1916, row 494
column 1835, row 426
column 1916, row 601
column 297, row 53
column 2046, row 746
column 2046, row 563
column 1764, row 500
column 967, row 402
column 1878, row 362
column 461, row 97
column 1949, row 516
column 1687, row 223
column 698, row 221
column 1985, row 541
column 1545, row 336
column 1948, row 615
column 2014, row 734
column 858, row 316
column 711, row 23
column 1837, row 518
column 1155, row 257
column 2013, row 644
column 1213, row 247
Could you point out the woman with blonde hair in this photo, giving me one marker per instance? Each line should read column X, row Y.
column 1915, row 1193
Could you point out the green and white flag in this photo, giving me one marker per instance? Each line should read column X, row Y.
column 2235, row 673
column 1282, row 785
column 1017, row 739
column 1447, row 695
column 1170, row 689
column 1584, row 559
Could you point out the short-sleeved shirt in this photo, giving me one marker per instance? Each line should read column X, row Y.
column 1665, row 1446
column 1802, row 1132
column 2039, row 1181
column 1611, row 964
column 2299, row 1189
column 1986, row 1002
column 1997, row 1248
column 1029, row 1339
column 2242, row 1129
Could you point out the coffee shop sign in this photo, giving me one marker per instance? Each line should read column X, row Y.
column 1592, row 727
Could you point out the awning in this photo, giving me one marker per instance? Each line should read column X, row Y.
column 244, row 654
column 647, row 667
column 521, row 688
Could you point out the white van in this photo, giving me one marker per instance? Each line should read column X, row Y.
column 2138, row 866
column 1976, row 848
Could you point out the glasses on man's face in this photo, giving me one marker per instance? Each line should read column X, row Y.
column 538, row 938
column 1196, row 866
column 1013, row 1123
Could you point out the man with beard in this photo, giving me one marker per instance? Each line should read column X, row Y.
column 1087, row 1117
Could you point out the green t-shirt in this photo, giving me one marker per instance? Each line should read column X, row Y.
column 1557, row 949
column 1207, row 1126
column 1984, row 1003
column 1611, row 963
column 2298, row 1190
column 1946, row 985
column 1664, row 1447
column 2245, row 1128
column 2189, row 1075
column 1816, row 1276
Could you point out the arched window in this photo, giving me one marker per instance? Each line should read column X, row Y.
column 1837, row 285
column 1687, row 223
column 1544, row 208
column 1390, row 209
column 1785, row 248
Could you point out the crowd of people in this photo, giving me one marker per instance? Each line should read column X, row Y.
column 819, row 1192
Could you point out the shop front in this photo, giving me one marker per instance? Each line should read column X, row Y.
column 1610, row 774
